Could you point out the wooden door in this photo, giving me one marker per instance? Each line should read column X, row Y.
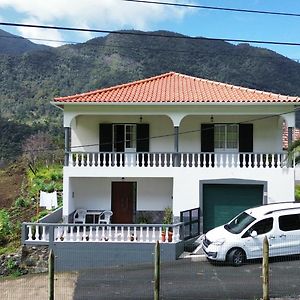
column 123, row 202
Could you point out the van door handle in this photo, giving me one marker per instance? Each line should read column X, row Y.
column 282, row 235
column 271, row 237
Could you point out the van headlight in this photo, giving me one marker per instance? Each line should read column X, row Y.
column 219, row 242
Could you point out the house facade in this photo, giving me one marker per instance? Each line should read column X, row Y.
column 175, row 141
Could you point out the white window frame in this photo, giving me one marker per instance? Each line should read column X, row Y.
column 226, row 148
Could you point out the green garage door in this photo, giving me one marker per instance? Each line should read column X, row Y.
column 221, row 202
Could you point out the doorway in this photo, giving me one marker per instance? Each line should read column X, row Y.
column 123, row 202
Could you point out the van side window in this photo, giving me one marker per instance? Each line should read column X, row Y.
column 289, row 222
column 261, row 227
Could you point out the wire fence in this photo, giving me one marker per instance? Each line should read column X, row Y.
column 191, row 277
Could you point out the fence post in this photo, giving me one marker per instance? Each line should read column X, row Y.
column 51, row 275
column 265, row 269
column 157, row 271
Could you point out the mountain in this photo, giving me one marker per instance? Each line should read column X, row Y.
column 30, row 80
column 15, row 45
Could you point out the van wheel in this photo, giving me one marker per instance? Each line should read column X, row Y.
column 236, row 257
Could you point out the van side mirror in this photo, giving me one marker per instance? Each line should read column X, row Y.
column 253, row 233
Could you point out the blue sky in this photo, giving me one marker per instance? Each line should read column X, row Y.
column 117, row 14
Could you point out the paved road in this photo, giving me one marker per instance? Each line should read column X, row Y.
column 189, row 279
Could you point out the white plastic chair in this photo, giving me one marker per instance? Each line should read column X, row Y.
column 105, row 217
column 79, row 216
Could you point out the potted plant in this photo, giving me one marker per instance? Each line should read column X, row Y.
column 168, row 219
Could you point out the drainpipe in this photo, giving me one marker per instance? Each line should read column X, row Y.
column 67, row 144
column 176, row 145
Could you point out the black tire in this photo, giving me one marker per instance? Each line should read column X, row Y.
column 236, row 257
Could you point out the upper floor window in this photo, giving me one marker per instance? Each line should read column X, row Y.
column 226, row 137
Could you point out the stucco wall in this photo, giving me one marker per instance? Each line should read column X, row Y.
column 85, row 131
column 95, row 193
column 267, row 133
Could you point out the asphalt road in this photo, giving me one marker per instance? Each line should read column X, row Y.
column 190, row 279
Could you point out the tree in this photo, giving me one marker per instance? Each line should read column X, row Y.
column 294, row 152
column 40, row 148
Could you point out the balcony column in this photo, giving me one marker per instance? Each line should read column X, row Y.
column 290, row 135
column 67, row 144
column 176, row 146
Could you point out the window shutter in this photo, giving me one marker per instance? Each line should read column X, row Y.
column 142, row 137
column 245, row 137
column 105, row 137
column 207, row 138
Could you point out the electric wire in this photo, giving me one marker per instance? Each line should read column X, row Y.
column 265, row 12
column 137, row 33
column 169, row 134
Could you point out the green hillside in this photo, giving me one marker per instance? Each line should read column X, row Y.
column 30, row 80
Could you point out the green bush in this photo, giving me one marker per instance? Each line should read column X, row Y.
column 5, row 226
column 297, row 193
column 22, row 202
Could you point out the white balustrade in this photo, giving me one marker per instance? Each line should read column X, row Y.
column 184, row 160
column 40, row 233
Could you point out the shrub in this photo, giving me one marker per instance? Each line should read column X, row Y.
column 22, row 202
column 297, row 193
column 5, row 226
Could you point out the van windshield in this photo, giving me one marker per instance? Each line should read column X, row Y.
column 238, row 224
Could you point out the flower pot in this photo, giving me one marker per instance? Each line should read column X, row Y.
column 170, row 236
column 163, row 236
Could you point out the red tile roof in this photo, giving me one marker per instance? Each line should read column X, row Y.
column 176, row 88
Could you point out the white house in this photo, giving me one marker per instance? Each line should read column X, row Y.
column 175, row 141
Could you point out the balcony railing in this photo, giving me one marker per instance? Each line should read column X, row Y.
column 46, row 233
column 183, row 159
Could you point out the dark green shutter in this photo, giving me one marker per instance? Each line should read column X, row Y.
column 119, row 133
column 142, row 137
column 105, row 137
column 207, row 138
column 245, row 137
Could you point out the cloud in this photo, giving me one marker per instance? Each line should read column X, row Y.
column 100, row 14
column 41, row 36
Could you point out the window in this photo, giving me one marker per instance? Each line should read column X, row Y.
column 124, row 137
column 226, row 137
column 289, row 222
column 238, row 224
column 261, row 227
column 130, row 136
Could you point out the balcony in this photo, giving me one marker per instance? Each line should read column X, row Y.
column 182, row 159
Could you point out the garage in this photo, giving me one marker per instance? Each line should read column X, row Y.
column 221, row 202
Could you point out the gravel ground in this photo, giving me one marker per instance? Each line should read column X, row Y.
column 34, row 287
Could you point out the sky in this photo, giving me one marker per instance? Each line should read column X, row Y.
column 119, row 14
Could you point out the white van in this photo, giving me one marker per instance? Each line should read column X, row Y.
column 242, row 238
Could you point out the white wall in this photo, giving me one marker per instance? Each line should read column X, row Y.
column 95, row 193
column 267, row 133
column 91, row 193
column 85, row 131
column 154, row 193
column 186, row 191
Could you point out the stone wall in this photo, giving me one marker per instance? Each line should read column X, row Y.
column 29, row 259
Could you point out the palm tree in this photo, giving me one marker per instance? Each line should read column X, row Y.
column 294, row 153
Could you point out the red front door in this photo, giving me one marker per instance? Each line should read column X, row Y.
column 123, row 202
